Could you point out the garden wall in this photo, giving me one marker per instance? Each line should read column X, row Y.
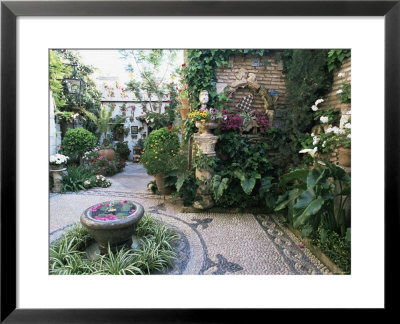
column 55, row 134
column 125, row 103
column 331, row 99
column 268, row 70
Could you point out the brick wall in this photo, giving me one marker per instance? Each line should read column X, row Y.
column 331, row 99
column 269, row 76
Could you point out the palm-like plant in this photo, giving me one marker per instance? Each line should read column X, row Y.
column 103, row 121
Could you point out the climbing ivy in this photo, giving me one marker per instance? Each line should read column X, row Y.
column 336, row 57
column 199, row 71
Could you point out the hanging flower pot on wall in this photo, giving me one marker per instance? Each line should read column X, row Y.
column 184, row 111
column 344, row 156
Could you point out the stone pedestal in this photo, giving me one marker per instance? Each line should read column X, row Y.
column 57, row 177
column 204, row 190
column 206, row 144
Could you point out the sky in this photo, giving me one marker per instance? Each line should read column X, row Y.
column 111, row 64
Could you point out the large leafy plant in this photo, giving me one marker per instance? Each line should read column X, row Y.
column 309, row 198
column 244, row 174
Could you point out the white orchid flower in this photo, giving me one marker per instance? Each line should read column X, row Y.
column 324, row 119
column 339, row 91
column 314, row 108
column 310, row 151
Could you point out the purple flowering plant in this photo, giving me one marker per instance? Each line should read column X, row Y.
column 231, row 119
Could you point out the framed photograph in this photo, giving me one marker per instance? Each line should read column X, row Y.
column 134, row 130
column 29, row 293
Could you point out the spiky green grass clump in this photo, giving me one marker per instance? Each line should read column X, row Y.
column 155, row 252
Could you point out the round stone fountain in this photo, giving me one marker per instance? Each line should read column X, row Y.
column 112, row 223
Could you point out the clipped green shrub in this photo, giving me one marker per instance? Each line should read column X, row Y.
column 77, row 141
column 160, row 150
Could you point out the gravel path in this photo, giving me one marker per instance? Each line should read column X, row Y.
column 211, row 243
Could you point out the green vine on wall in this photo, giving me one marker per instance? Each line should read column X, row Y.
column 199, row 73
column 336, row 57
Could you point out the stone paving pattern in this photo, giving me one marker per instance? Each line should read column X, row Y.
column 210, row 244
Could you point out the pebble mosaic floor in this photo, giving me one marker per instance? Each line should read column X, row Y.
column 210, row 243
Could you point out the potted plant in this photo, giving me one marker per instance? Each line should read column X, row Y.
column 58, row 161
column 183, row 111
column 205, row 119
column 57, row 165
column 122, row 108
column 160, row 150
column 123, row 150
column 184, row 93
column 104, row 124
column 138, row 148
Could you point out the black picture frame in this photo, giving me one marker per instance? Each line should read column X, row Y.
column 134, row 130
column 10, row 10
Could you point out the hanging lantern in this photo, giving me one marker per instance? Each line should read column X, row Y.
column 76, row 86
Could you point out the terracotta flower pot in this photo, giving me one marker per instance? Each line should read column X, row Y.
column 344, row 156
column 185, row 102
column 159, row 177
column 184, row 112
column 109, row 154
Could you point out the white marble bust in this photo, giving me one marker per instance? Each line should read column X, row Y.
column 203, row 98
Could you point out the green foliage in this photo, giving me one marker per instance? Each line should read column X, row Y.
column 74, row 179
column 156, row 120
column 122, row 148
column 203, row 162
column 156, row 252
column 307, row 79
column 243, row 173
column 161, row 148
column 68, row 108
column 103, row 122
column 336, row 57
column 101, row 166
column 345, row 94
column 57, row 72
column 186, row 187
column 309, row 200
column 336, row 247
column 77, row 141
column 200, row 74
column 333, row 115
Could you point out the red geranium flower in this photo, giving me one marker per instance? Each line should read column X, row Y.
column 184, row 64
column 169, row 127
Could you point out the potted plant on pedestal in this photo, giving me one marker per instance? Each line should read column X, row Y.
column 57, row 165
